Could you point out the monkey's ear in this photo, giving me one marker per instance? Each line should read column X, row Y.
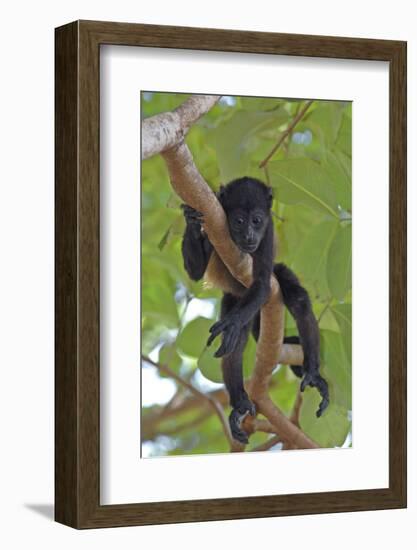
column 270, row 197
column 220, row 192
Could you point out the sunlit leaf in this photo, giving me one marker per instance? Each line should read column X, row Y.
column 326, row 119
column 331, row 429
column 210, row 365
column 168, row 356
column 261, row 103
column 341, row 180
column 285, row 389
column 235, row 140
column 303, row 181
column 339, row 262
column 344, row 138
column 336, row 367
column 343, row 315
column 310, row 260
column 164, row 240
column 192, row 339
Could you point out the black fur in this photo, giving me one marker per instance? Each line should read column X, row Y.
column 247, row 203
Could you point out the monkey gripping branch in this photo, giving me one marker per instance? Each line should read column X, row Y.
column 165, row 134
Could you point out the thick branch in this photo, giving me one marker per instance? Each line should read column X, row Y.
column 284, row 427
column 194, row 191
column 160, row 132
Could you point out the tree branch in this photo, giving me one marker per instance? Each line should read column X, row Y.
column 160, row 132
column 194, row 191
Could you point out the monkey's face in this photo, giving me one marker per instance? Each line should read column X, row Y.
column 247, row 228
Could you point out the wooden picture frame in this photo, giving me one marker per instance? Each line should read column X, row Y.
column 77, row 374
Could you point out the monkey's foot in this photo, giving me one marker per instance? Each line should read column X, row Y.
column 313, row 379
column 236, row 418
column 231, row 329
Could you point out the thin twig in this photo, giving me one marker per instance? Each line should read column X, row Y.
column 295, row 414
column 286, row 133
column 234, row 445
column 252, row 425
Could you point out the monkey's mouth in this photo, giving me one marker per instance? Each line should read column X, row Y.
column 249, row 249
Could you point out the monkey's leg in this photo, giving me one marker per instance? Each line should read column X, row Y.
column 298, row 303
column 233, row 378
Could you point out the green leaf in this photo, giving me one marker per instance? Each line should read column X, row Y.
column 261, row 103
column 174, row 201
column 339, row 263
column 249, row 356
column 193, row 337
column 331, row 429
column 176, row 228
column 343, row 315
column 326, row 120
column 285, row 390
column 209, row 365
column 344, row 138
column 303, row 181
column 298, row 220
column 341, row 179
column 324, row 313
column 336, row 367
column 158, row 303
column 168, row 356
column 237, row 139
column 162, row 243
column 151, row 335
column 311, row 257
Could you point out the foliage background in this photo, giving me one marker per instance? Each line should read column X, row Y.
column 311, row 178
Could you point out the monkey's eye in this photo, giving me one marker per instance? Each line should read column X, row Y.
column 256, row 220
column 239, row 220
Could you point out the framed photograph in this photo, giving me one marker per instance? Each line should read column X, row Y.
column 230, row 274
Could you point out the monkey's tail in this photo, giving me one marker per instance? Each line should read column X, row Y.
column 298, row 370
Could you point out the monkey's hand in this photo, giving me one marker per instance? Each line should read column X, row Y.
column 237, row 416
column 312, row 378
column 231, row 328
column 193, row 218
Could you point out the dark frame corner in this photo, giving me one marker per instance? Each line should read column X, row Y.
column 77, row 274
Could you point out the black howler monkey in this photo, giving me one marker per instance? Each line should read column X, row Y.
column 247, row 204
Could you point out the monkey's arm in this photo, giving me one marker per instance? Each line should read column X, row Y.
column 252, row 300
column 196, row 248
